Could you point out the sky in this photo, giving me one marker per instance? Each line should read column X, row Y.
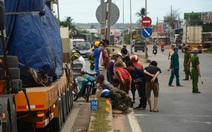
column 84, row 11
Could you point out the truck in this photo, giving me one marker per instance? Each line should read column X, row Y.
column 35, row 75
column 207, row 39
column 192, row 37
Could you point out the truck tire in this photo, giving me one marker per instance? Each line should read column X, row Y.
column 57, row 123
column 14, row 71
column 64, row 108
column 12, row 61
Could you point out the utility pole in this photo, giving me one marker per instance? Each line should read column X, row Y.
column 146, row 49
column 123, row 24
column 131, row 28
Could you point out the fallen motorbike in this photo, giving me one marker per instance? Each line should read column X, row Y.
column 83, row 86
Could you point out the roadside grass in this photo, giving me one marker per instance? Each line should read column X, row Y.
column 208, row 50
column 100, row 123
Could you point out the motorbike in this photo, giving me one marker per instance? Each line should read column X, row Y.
column 84, row 85
column 162, row 49
column 154, row 51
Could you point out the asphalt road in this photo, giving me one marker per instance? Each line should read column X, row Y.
column 180, row 110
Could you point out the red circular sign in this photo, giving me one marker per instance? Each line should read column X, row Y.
column 146, row 21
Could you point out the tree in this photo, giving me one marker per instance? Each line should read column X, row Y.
column 68, row 22
column 141, row 13
column 172, row 18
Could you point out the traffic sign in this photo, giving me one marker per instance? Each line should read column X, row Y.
column 114, row 13
column 94, row 104
column 146, row 32
column 146, row 21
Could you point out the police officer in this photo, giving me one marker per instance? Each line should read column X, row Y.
column 186, row 63
column 195, row 71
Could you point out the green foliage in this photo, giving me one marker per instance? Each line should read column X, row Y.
column 193, row 18
column 208, row 50
column 141, row 13
column 81, row 31
column 207, row 27
column 101, row 124
column 120, row 100
column 68, row 22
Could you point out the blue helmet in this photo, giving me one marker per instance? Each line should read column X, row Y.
column 105, row 93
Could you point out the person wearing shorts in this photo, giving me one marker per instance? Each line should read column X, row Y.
column 152, row 84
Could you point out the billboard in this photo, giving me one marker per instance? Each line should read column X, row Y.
column 206, row 17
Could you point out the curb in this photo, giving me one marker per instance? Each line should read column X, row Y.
column 109, row 117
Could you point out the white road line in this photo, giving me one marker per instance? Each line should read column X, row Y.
column 146, row 32
column 207, row 116
column 70, row 120
column 134, row 122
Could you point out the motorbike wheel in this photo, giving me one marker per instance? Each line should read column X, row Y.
column 88, row 92
column 75, row 93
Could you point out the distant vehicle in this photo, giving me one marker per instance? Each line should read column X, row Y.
column 176, row 37
column 85, row 36
column 84, row 48
column 207, row 39
column 74, row 41
column 192, row 37
column 139, row 45
column 112, row 39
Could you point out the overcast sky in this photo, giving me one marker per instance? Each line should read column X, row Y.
column 84, row 11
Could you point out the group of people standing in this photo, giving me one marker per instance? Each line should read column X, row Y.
column 173, row 65
column 123, row 71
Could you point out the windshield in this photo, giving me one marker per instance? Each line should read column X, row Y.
column 83, row 46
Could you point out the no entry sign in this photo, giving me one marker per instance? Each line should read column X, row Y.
column 146, row 21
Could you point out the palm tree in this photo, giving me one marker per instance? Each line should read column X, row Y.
column 141, row 13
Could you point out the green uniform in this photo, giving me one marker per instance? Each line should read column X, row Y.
column 194, row 72
column 91, row 60
column 187, row 71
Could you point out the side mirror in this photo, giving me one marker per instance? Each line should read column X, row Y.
column 2, row 21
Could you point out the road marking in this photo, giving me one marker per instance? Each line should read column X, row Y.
column 203, row 122
column 135, row 127
column 70, row 120
column 208, row 116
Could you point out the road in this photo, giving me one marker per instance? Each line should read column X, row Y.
column 180, row 110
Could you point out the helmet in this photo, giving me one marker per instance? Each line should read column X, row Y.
column 77, row 55
column 173, row 45
column 96, row 44
column 134, row 57
column 105, row 93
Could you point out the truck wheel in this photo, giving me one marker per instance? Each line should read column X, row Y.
column 64, row 109
column 12, row 61
column 14, row 71
column 56, row 123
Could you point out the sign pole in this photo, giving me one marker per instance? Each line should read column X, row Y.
column 146, row 49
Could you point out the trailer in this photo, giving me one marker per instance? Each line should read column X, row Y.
column 192, row 37
column 35, row 73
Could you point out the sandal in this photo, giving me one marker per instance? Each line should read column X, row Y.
column 156, row 110
column 151, row 110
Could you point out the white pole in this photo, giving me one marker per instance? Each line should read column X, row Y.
column 123, row 24
column 131, row 27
